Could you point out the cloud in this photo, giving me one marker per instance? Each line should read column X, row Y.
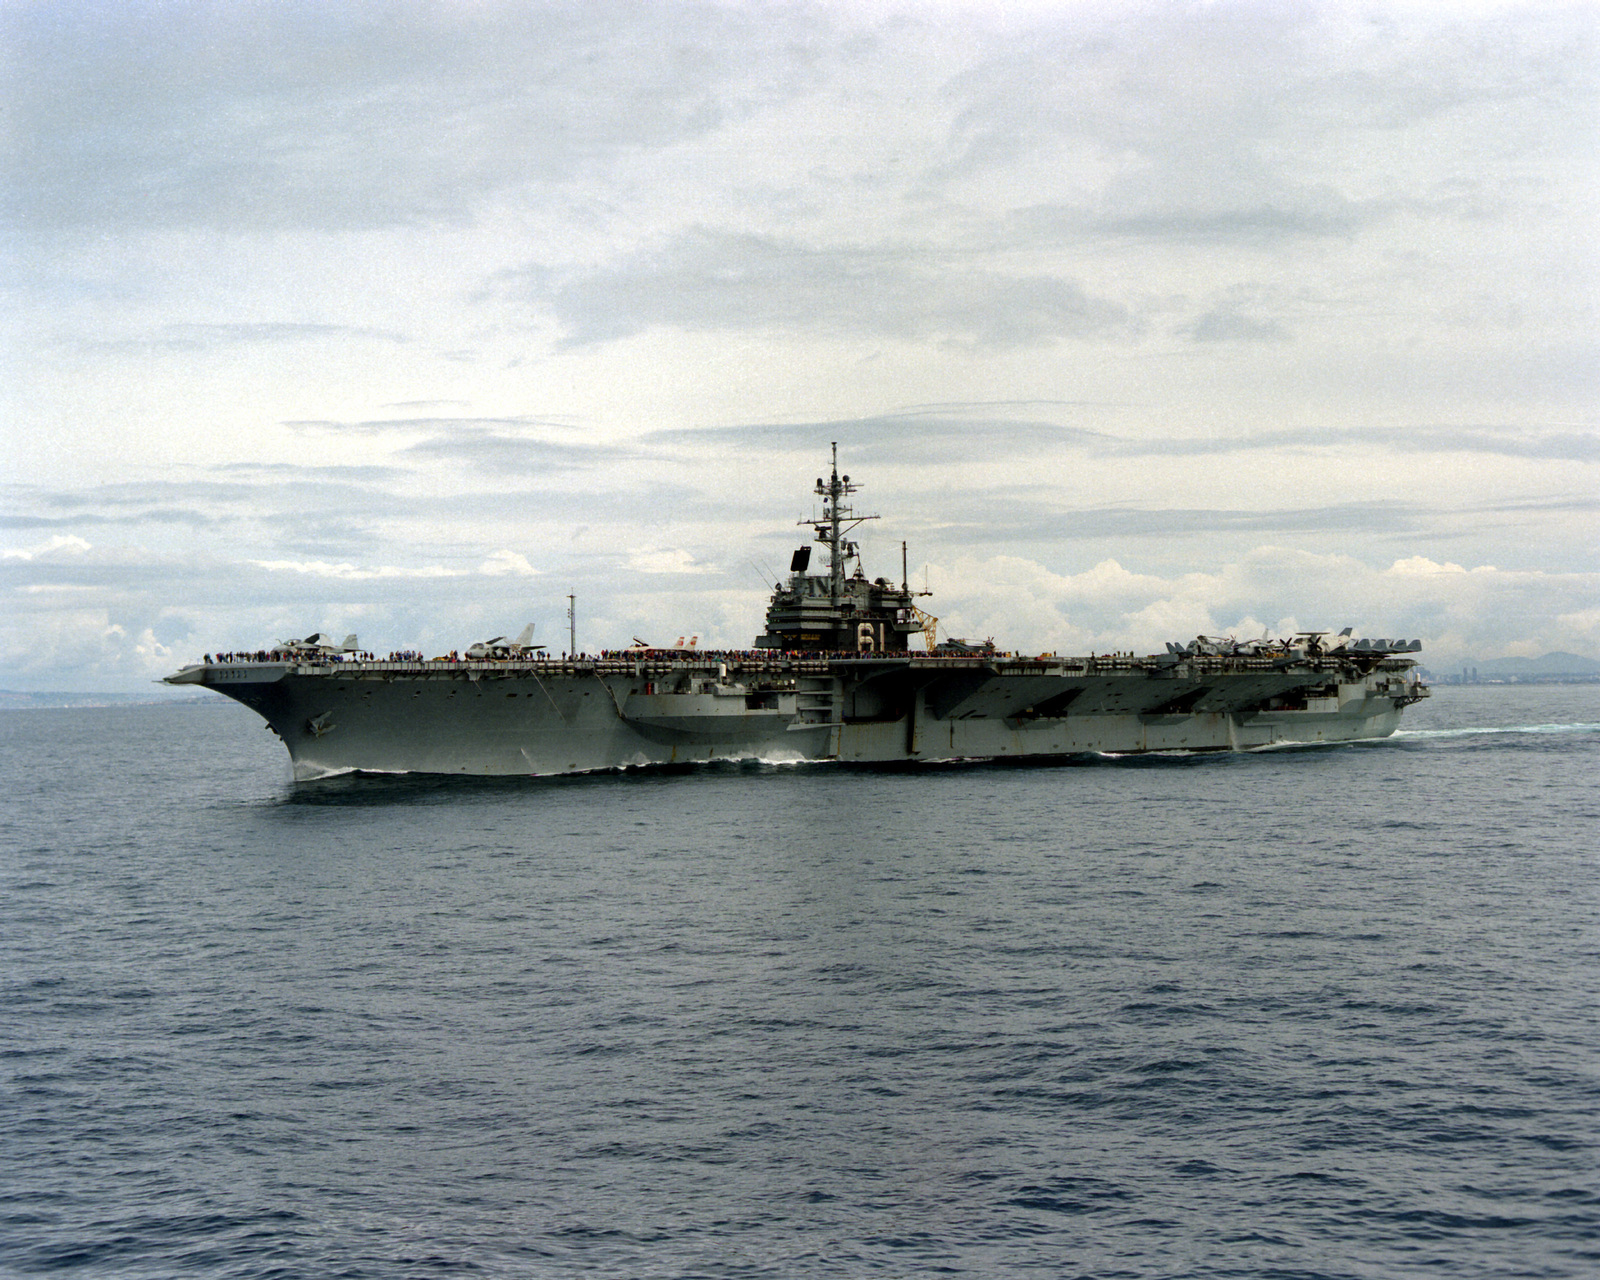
column 150, row 515
column 1239, row 123
column 302, row 472
column 669, row 560
column 1424, row 566
column 294, row 502
column 501, row 563
column 460, row 426
column 934, row 433
column 498, row 564
column 979, row 430
column 502, row 454
column 58, row 547
column 1107, row 607
column 407, row 315
column 1583, row 625
column 362, row 115
column 707, row 280
column 351, row 573
column 194, row 338
column 518, row 446
column 1027, row 518
column 1221, row 325
column 1201, row 217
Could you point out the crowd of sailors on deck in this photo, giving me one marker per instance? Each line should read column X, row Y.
column 605, row 655
column 300, row 655
column 769, row 655
column 743, row 655
column 324, row 655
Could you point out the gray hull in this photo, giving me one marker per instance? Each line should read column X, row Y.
column 547, row 717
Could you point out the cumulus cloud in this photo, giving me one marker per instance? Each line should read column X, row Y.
column 58, row 546
column 1424, row 566
column 1109, row 607
column 673, row 560
column 84, row 638
column 1580, row 630
column 502, row 562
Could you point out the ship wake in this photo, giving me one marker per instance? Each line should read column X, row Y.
column 1580, row 727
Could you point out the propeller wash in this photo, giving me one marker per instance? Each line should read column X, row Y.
column 833, row 677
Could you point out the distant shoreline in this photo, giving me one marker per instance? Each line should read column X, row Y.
column 1573, row 677
column 12, row 700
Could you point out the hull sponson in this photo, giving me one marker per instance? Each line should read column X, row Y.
column 550, row 717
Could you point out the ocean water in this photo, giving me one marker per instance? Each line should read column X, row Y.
column 1313, row 1013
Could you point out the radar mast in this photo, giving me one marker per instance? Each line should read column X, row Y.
column 837, row 520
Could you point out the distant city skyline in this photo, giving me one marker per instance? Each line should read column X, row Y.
column 1133, row 321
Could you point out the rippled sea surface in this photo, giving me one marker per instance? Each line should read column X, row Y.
column 1304, row 1013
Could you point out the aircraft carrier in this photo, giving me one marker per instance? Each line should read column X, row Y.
column 833, row 677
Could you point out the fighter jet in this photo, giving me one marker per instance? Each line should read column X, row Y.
column 500, row 647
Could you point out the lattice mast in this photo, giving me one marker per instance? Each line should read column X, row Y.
column 837, row 520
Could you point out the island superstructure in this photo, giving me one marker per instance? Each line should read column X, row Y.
column 834, row 612
column 832, row 677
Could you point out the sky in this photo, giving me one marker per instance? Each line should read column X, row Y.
column 1133, row 321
